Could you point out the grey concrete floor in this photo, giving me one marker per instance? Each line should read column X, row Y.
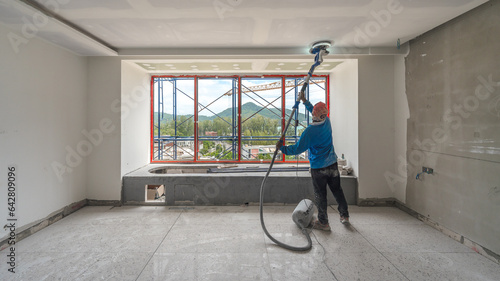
column 227, row 243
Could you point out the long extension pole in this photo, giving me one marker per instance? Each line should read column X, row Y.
column 317, row 61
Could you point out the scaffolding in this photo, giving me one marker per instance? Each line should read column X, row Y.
column 186, row 148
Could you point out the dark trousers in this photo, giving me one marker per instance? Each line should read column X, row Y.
column 321, row 177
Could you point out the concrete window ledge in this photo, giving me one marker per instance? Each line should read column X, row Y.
column 190, row 184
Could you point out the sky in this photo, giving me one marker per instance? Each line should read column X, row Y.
column 211, row 89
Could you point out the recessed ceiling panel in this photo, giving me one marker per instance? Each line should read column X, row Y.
column 57, row 5
column 259, row 66
column 213, row 66
column 299, row 66
column 434, row 4
column 157, row 33
column 305, row 31
column 300, row 5
column 11, row 13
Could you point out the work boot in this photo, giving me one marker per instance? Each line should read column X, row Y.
column 317, row 225
column 344, row 220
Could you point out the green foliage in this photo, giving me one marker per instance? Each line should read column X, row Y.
column 264, row 156
column 206, row 147
column 249, row 108
column 261, row 124
column 216, row 151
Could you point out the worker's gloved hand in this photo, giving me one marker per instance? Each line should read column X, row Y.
column 279, row 144
column 302, row 97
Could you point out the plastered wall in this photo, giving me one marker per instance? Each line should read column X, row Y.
column 363, row 121
column 344, row 111
column 452, row 75
column 135, row 117
column 43, row 113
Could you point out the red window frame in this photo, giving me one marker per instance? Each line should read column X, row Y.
column 239, row 77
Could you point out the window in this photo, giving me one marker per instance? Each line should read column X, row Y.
column 228, row 119
column 173, row 118
column 217, row 119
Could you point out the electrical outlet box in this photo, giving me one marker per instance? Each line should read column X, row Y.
column 427, row 170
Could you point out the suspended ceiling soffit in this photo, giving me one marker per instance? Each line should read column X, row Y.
column 234, row 66
column 96, row 27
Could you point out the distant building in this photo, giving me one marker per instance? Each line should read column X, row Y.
column 211, row 134
column 252, row 152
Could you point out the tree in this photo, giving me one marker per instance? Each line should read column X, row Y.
column 185, row 126
column 264, row 156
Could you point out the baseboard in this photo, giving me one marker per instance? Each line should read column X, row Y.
column 34, row 227
column 114, row 203
column 376, row 202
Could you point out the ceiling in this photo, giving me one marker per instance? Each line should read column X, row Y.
column 227, row 27
column 228, row 66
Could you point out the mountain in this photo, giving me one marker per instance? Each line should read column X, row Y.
column 247, row 110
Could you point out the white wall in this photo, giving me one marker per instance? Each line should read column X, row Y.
column 365, row 93
column 42, row 115
column 344, row 111
column 104, row 100
column 375, row 84
column 135, row 131
column 376, row 125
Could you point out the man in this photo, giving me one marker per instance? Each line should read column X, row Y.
column 317, row 138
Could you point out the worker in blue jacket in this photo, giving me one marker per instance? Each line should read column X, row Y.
column 317, row 138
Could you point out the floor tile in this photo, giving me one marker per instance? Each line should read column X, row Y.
column 116, row 266
column 98, row 238
column 78, row 266
column 408, row 238
column 125, row 217
column 299, row 266
column 344, row 242
column 445, row 266
column 207, row 266
column 210, row 216
column 277, row 214
column 380, row 215
column 362, row 266
column 213, row 239
column 288, row 234
column 228, row 243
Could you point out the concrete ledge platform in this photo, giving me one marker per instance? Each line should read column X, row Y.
column 190, row 184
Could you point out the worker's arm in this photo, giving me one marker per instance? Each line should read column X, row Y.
column 307, row 104
column 300, row 146
column 279, row 144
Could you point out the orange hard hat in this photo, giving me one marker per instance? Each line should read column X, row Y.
column 320, row 111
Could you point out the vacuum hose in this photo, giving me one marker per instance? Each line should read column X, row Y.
column 281, row 244
column 320, row 50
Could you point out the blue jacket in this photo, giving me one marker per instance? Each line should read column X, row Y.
column 317, row 137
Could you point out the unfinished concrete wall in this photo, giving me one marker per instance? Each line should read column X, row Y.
column 135, row 119
column 397, row 179
column 43, row 113
column 452, row 75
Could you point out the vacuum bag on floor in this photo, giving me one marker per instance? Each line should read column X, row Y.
column 303, row 213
